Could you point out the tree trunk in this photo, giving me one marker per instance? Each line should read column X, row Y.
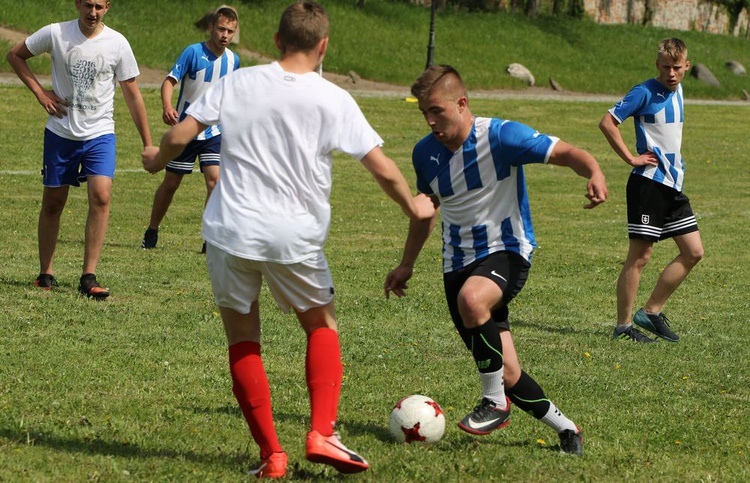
column 558, row 7
column 532, row 8
column 576, row 9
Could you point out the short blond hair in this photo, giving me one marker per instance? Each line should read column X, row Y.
column 673, row 48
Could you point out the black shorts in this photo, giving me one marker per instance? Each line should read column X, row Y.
column 206, row 150
column 657, row 212
column 508, row 270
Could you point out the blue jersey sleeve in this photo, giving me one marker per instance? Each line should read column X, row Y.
column 185, row 63
column 519, row 143
column 631, row 104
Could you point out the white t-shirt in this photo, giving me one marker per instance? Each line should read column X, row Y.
column 279, row 131
column 84, row 72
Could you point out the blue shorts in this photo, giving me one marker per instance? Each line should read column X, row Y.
column 68, row 162
column 206, row 150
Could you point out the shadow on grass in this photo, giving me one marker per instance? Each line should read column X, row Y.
column 553, row 329
column 107, row 448
column 380, row 431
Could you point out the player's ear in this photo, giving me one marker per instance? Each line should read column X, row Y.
column 322, row 47
column 277, row 41
column 462, row 102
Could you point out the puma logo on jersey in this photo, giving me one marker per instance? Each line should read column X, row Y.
column 435, row 158
column 661, row 94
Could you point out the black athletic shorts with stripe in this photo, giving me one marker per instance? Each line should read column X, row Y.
column 657, row 212
column 508, row 270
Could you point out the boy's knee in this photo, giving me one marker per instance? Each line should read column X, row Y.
column 695, row 256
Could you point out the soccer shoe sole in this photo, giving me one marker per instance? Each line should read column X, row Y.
column 272, row 468
column 480, row 432
column 329, row 451
column 96, row 293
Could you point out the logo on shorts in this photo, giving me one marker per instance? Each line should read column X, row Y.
column 645, row 219
column 498, row 275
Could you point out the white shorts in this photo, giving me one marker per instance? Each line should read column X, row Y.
column 236, row 281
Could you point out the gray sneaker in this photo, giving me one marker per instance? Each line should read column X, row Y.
column 631, row 333
column 571, row 442
column 150, row 238
column 657, row 324
column 486, row 417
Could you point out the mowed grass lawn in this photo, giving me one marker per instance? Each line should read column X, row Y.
column 137, row 388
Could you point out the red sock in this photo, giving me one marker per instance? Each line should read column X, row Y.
column 324, row 371
column 253, row 395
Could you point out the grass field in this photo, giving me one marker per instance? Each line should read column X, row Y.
column 387, row 41
column 137, row 388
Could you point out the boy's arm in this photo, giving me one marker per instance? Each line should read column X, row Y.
column 52, row 104
column 392, row 181
column 137, row 108
column 170, row 116
column 585, row 165
column 173, row 142
column 610, row 128
column 419, row 232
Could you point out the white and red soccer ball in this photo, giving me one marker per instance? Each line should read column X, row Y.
column 417, row 419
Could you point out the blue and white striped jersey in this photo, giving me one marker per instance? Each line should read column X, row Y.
column 658, row 115
column 482, row 189
column 196, row 69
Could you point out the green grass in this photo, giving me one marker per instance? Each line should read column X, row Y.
column 387, row 41
column 137, row 388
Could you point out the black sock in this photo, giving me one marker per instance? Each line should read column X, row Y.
column 528, row 395
column 486, row 347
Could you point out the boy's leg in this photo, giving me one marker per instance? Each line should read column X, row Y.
column 526, row 393
column 48, row 228
column 211, row 176
column 99, row 196
column 691, row 252
column 639, row 254
column 323, row 368
column 250, row 382
column 163, row 197
column 324, row 372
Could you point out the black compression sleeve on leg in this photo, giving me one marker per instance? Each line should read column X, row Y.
column 486, row 347
column 528, row 395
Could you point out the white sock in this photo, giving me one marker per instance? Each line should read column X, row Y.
column 493, row 387
column 556, row 420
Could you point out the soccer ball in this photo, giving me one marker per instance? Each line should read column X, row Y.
column 417, row 419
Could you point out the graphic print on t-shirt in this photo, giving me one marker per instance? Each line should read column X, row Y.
column 82, row 74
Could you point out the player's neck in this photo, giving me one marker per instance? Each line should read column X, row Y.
column 216, row 49
column 299, row 62
column 90, row 33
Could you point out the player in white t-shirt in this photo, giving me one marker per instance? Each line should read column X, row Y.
column 79, row 140
column 199, row 66
column 657, row 207
column 269, row 215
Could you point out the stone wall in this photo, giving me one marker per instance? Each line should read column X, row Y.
column 673, row 14
column 702, row 15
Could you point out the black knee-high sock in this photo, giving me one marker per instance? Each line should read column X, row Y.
column 486, row 347
column 529, row 396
